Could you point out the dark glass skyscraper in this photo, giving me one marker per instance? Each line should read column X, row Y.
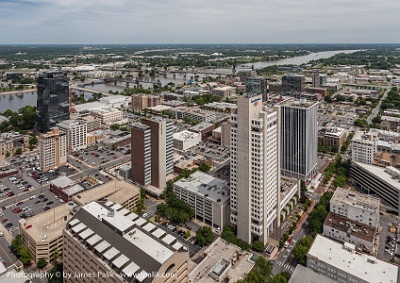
column 53, row 104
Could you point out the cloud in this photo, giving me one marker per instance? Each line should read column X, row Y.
column 206, row 21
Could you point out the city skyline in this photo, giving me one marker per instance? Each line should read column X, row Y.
column 191, row 22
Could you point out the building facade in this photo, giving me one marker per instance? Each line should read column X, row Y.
column 186, row 139
column 104, row 240
column 299, row 138
column 76, row 134
column 333, row 137
column 108, row 115
column 384, row 182
column 254, row 177
column 6, row 146
column 293, row 85
column 363, row 147
column 152, row 151
column 356, row 206
column 52, row 149
column 341, row 263
column 53, row 102
column 257, row 85
column 207, row 196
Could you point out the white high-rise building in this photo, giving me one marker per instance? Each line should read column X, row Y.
column 76, row 132
column 255, row 167
column 52, row 149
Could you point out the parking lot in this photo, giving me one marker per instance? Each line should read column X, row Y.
column 95, row 156
column 14, row 185
column 25, row 208
column 211, row 150
column 388, row 246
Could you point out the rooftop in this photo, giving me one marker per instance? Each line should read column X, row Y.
column 381, row 173
column 185, row 135
column 62, row 182
column 48, row 225
column 206, row 185
column 70, row 123
column 119, row 191
column 342, row 257
column 73, row 190
column 131, row 244
column 298, row 103
column 201, row 126
column 306, row 275
column 219, row 252
column 354, row 198
column 349, row 226
column 333, row 132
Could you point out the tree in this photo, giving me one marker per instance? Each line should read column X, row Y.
column 114, row 127
column 56, row 255
column 204, row 235
column 300, row 253
column 187, row 234
column 41, row 263
column 32, row 142
column 25, row 255
column 18, row 151
column 8, row 154
column 204, row 167
column 258, row 246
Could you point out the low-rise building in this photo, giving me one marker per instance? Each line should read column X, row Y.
column 383, row 182
column 342, row 263
column 43, row 233
column 6, row 146
column 108, row 115
column 118, row 246
column 343, row 229
column 390, row 123
column 220, row 106
column 204, row 129
column 93, row 123
column 186, row 139
column 364, row 147
column 356, row 206
column 52, row 149
column 303, row 274
column 65, row 188
column 223, row 262
column 207, row 196
column 332, row 137
column 120, row 192
column 199, row 115
column 116, row 101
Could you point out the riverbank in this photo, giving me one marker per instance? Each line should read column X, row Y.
column 18, row 91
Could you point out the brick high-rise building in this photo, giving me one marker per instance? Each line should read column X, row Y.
column 152, row 151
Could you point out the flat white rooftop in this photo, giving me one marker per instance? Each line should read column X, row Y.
column 153, row 248
column 206, row 185
column 363, row 266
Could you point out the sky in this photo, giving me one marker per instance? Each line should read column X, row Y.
column 201, row 21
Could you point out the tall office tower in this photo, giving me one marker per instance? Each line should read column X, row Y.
column 255, row 170
column 293, row 85
column 257, row 85
column 299, row 138
column 76, row 132
column 52, row 149
column 106, row 243
column 315, row 78
column 53, row 103
column 152, row 151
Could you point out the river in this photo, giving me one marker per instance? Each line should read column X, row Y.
column 15, row 102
